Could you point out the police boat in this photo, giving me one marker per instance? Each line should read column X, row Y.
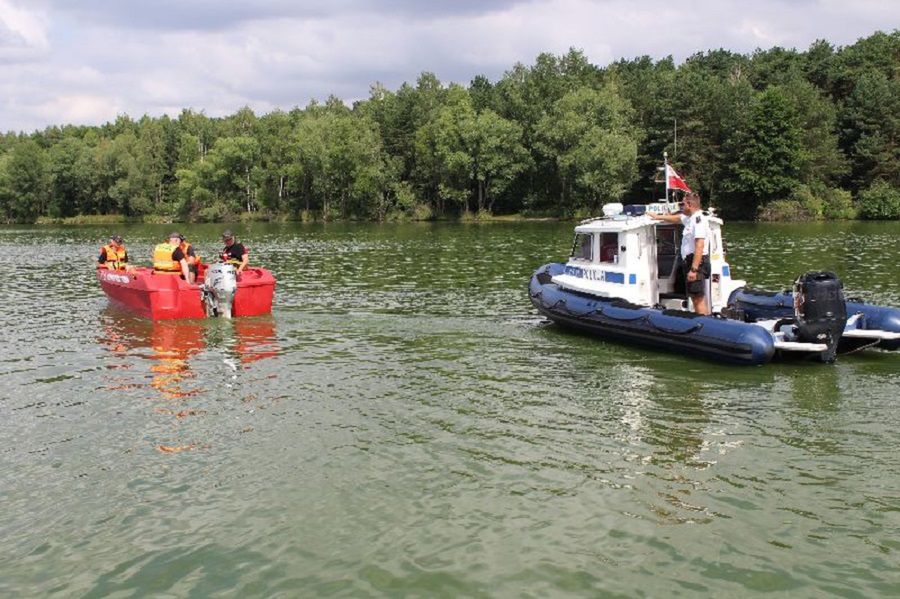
column 622, row 282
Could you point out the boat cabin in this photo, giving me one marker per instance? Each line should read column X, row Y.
column 626, row 254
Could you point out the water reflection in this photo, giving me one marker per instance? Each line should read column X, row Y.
column 425, row 408
column 168, row 346
column 184, row 366
column 678, row 437
column 255, row 339
column 174, row 343
column 815, row 399
column 169, row 349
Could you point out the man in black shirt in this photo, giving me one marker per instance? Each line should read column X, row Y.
column 234, row 252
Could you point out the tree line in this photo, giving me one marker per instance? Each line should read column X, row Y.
column 778, row 134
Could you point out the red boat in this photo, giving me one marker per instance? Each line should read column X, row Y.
column 163, row 296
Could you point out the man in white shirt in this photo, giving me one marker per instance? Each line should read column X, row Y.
column 694, row 248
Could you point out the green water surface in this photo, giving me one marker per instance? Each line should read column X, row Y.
column 405, row 424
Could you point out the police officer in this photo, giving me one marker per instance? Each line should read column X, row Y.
column 694, row 248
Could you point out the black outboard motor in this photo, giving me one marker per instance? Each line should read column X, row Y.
column 820, row 310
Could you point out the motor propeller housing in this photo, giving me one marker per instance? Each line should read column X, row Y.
column 219, row 288
column 820, row 310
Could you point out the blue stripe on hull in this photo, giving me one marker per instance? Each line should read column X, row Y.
column 714, row 338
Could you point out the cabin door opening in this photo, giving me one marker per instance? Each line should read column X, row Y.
column 668, row 261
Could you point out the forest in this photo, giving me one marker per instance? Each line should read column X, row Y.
column 779, row 134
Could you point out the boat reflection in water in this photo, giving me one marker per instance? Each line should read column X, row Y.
column 173, row 345
column 167, row 346
column 255, row 338
column 170, row 346
column 184, row 360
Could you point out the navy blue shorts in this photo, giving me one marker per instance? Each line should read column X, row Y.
column 697, row 286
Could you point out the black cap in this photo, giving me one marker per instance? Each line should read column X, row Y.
column 227, row 234
column 174, row 234
column 116, row 238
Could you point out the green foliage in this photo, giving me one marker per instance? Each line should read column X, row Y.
column 780, row 133
column 870, row 56
column 775, row 66
column 810, row 204
column 837, row 204
column 652, row 91
column 6, row 191
column 27, row 182
column 472, row 151
column 713, row 99
column 784, row 210
column 589, row 137
column 404, row 197
column 71, row 179
column 871, row 129
column 767, row 152
column 214, row 211
column 422, row 212
column 881, row 201
column 820, row 157
column 83, row 219
column 341, row 166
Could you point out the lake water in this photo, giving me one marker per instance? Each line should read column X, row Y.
column 405, row 424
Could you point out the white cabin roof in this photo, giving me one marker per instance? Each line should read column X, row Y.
column 605, row 224
column 619, row 222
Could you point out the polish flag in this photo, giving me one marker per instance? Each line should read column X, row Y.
column 675, row 181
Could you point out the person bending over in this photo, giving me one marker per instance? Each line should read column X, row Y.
column 168, row 257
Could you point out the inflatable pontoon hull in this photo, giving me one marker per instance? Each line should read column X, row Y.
column 710, row 337
column 762, row 305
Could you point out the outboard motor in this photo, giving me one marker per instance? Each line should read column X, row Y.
column 219, row 289
column 820, row 310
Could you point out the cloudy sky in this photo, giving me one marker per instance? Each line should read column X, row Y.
column 86, row 61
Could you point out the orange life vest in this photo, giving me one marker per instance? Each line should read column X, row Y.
column 185, row 246
column 116, row 259
column 162, row 258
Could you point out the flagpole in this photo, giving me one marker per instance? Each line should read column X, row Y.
column 666, row 173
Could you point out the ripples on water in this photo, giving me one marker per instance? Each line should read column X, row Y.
column 405, row 423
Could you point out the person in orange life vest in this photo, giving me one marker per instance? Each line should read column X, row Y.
column 234, row 252
column 114, row 255
column 169, row 257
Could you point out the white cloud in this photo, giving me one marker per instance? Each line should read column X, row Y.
column 80, row 76
column 85, row 62
column 80, row 108
column 23, row 33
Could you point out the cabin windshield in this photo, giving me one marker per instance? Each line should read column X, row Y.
column 609, row 248
column 581, row 248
